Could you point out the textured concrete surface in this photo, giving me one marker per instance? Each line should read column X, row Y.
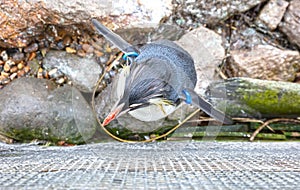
column 165, row 165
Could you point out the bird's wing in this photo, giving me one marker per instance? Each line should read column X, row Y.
column 113, row 37
column 153, row 68
column 205, row 106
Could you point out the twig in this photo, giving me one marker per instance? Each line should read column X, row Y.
column 271, row 121
column 253, row 121
column 6, row 139
column 112, row 62
column 221, row 73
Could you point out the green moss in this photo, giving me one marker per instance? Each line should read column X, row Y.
column 27, row 134
column 267, row 98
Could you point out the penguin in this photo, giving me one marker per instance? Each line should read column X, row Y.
column 161, row 77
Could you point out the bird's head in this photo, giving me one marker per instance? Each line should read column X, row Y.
column 147, row 92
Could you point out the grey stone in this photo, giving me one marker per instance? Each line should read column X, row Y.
column 82, row 71
column 191, row 13
column 34, row 108
column 272, row 13
column 205, row 46
column 265, row 62
column 291, row 22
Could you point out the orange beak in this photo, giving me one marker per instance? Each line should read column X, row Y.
column 112, row 115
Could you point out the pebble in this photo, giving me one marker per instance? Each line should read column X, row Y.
column 31, row 56
column 45, row 74
column 60, row 45
column 18, row 57
column 13, row 69
column 26, row 69
column 19, row 62
column 20, row 65
column 43, row 44
column 40, row 73
column 5, row 81
column 4, row 56
column 31, row 48
column 87, row 48
column 2, row 78
column 21, row 73
column 81, row 53
column 4, row 74
column 103, row 59
column 98, row 53
column 6, row 67
column 10, row 63
column 70, row 50
column 13, row 76
column 55, row 73
column 52, row 72
column 67, row 40
column 60, row 81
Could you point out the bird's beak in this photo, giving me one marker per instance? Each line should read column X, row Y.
column 117, row 111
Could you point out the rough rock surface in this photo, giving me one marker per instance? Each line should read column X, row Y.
column 35, row 109
column 84, row 72
column 265, row 62
column 21, row 20
column 291, row 23
column 205, row 46
column 208, row 12
column 272, row 13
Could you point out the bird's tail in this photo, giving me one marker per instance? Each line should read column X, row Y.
column 205, row 106
column 113, row 37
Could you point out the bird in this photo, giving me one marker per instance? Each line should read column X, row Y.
column 161, row 77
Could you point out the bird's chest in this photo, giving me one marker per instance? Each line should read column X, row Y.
column 153, row 112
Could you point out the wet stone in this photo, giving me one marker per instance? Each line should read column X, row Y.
column 36, row 109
